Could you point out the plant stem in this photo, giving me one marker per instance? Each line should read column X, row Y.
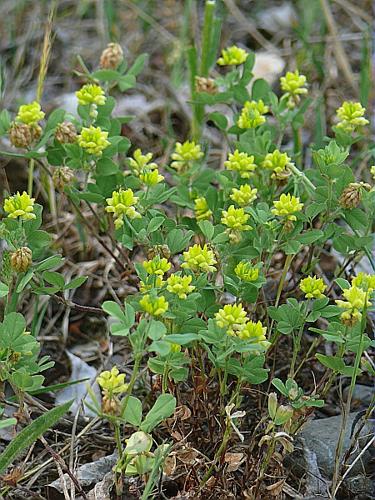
column 30, row 177
column 287, row 264
column 340, row 444
column 209, row 12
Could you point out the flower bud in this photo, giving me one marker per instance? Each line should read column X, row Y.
column 272, row 404
column 112, row 56
column 21, row 259
column 20, row 135
column 352, row 194
column 66, row 133
column 205, row 85
column 62, row 176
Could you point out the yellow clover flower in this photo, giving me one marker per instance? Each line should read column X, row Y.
column 175, row 348
column 372, row 171
column 184, row 154
column 180, row 285
column 157, row 282
column 232, row 56
column 244, row 195
column 246, row 272
column 30, row 114
column 202, row 212
column 157, row 266
column 356, row 301
column 199, row 259
column 232, row 317
column 351, row 116
column 313, row 287
column 93, row 140
column 20, row 205
column 252, row 114
column 154, row 306
column 255, row 332
column 277, row 161
column 122, row 204
column 235, row 219
column 241, row 163
column 91, row 94
column 293, row 84
column 364, row 281
column 287, row 206
column 141, row 163
column 112, row 382
column 151, row 178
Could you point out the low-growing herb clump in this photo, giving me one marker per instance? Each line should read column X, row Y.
column 223, row 257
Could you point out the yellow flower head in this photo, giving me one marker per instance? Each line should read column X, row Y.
column 91, row 94
column 246, row 272
column 277, row 161
column 232, row 317
column 351, row 116
column 313, row 287
column 20, row 205
column 184, row 154
column 287, row 206
column 157, row 266
column 122, row 204
column 293, row 84
column 255, row 332
column 202, row 212
column 175, row 348
column 252, row 114
column 364, row 281
column 112, row 382
column 235, row 219
column 199, row 259
column 180, row 285
column 232, row 56
column 156, row 282
column 30, row 114
column 372, row 171
column 244, row 195
column 93, row 140
column 241, row 163
column 140, row 163
column 151, row 178
column 356, row 301
column 154, row 306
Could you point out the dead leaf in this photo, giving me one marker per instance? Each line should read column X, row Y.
column 187, row 455
column 233, row 460
column 276, row 488
column 169, row 465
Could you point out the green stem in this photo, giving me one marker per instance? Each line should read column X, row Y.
column 340, row 444
column 287, row 264
column 30, row 177
column 302, row 176
column 297, row 343
column 209, row 12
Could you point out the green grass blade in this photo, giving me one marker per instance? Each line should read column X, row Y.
column 31, row 433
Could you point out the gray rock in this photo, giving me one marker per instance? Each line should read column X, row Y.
column 319, row 439
column 362, row 395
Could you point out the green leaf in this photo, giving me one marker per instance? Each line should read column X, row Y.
column 154, row 224
column 182, row 338
column 261, row 90
column 75, row 283
column 133, row 411
column 7, row 422
column 54, row 278
column 162, row 409
column 157, row 330
column 106, row 75
column 105, row 166
column 279, row 386
column 49, row 263
column 310, row 236
column 113, row 309
column 336, row 364
column 24, row 281
column 138, row 65
column 219, row 120
column 4, row 289
column 31, row 433
column 207, row 229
